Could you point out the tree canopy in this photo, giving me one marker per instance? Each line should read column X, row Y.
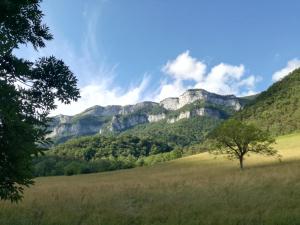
column 237, row 139
column 28, row 92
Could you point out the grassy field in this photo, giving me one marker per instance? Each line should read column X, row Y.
column 200, row 189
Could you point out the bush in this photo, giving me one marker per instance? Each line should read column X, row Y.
column 100, row 165
column 73, row 168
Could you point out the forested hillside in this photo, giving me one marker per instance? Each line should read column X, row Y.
column 277, row 109
column 182, row 133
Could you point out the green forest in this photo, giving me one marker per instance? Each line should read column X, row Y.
column 101, row 153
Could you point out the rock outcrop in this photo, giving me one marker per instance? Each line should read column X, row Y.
column 119, row 123
column 193, row 95
column 194, row 113
column 156, row 118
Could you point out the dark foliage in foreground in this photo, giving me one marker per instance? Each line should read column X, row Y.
column 28, row 91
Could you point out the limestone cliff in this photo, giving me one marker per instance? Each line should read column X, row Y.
column 193, row 95
column 116, row 118
column 194, row 113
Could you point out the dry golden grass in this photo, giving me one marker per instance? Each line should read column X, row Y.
column 199, row 189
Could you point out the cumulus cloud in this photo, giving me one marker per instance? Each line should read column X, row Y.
column 291, row 66
column 185, row 67
column 173, row 89
column 221, row 79
column 98, row 93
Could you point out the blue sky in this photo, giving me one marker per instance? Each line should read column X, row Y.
column 124, row 52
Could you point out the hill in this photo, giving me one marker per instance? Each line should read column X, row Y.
column 278, row 108
column 199, row 189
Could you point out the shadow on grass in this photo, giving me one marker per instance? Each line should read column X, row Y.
column 278, row 163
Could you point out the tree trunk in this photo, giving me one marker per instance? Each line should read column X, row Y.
column 242, row 162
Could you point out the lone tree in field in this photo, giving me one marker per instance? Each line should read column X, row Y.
column 28, row 91
column 236, row 139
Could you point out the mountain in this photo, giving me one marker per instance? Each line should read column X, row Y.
column 277, row 109
column 194, row 103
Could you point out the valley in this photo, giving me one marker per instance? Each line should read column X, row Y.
column 148, row 133
column 149, row 112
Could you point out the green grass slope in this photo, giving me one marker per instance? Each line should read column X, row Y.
column 278, row 108
column 199, row 189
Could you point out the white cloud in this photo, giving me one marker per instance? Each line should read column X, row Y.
column 100, row 94
column 96, row 77
column 290, row 67
column 173, row 89
column 221, row 79
column 250, row 81
column 185, row 67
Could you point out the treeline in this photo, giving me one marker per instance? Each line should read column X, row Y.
column 56, row 165
column 99, row 153
column 99, row 147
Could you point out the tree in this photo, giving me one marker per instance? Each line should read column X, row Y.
column 28, row 92
column 237, row 139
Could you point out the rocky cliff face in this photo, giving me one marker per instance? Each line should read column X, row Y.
column 193, row 95
column 115, row 118
column 156, row 118
column 123, row 123
column 113, row 110
column 76, row 129
column 194, row 113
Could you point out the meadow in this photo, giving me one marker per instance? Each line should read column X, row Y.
column 199, row 189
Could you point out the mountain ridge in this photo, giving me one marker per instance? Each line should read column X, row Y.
column 117, row 118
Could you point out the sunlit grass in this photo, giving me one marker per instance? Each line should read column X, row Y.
column 200, row 189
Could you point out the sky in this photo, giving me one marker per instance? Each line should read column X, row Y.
column 124, row 52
